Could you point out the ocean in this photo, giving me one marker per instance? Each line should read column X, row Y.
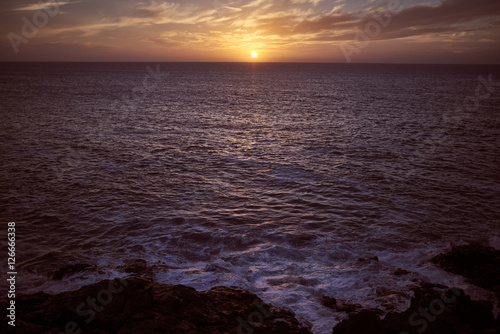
column 274, row 177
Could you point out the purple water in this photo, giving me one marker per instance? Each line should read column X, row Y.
column 272, row 177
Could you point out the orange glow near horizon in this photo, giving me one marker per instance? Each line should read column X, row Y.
column 301, row 31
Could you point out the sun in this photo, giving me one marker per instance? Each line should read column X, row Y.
column 254, row 54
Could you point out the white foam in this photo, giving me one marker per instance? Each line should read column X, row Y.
column 297, row 279
column 289, row 277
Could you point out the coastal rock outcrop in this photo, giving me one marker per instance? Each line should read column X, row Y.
column 135, row 305
column 438, row 309
column 433, row 309
column 479, row 264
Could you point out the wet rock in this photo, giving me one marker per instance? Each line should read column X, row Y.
column 480, row 265
column 138, row 266
column 216, row 268
column 432, row 310
column 436, row 308
column 400, row 272
column 381, row 291
column 135, row 305
column 362, row 322
column 369, row 259
column 348, row 308
column 329, row 302
column 69, row 270
column 333, row 304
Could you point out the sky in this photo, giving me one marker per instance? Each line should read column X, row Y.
column 337, row 31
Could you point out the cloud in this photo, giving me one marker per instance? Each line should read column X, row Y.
column 239, row 24
column 42, row 5
column 450, row 16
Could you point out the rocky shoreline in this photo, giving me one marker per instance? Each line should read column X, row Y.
column 439, row 309
column 137, row 304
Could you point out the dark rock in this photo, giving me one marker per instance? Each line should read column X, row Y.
column 362, row 322
column 138, row 266
column 370, row 259
column 70, row 269
column 400, row 272
column 480, row 265
column 348, row 308
column 432, row 310
column 135, row 305
column 329, row 302
column 333, row 304
column 479, row 315
column 383, row 291
column 436, row 308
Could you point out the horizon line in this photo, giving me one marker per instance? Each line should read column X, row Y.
column 238, row 62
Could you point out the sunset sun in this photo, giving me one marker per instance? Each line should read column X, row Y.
column 254, row 54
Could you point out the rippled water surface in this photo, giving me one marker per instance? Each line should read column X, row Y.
column 272, row 177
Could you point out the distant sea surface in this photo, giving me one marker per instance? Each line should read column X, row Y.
column 276, row 178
